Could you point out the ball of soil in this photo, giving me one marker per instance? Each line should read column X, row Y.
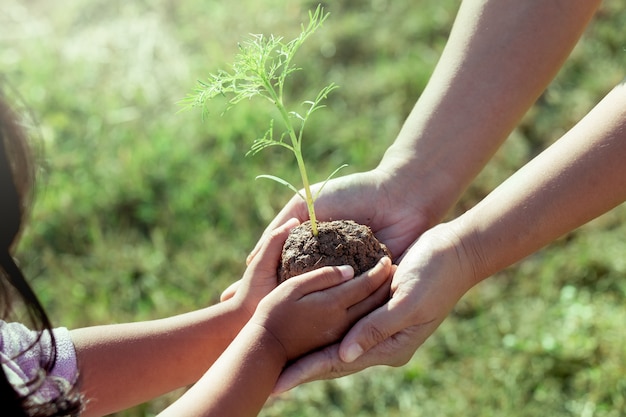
column 339, row 242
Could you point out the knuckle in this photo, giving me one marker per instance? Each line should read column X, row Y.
column 336, row 370
column 400, row 360
column 275, row 234
column 368, row 284
column 375, row 335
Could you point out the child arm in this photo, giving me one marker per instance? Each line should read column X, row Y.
column 122, row 365
column 302, row 314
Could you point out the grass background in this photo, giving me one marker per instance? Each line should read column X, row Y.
column 143, row 211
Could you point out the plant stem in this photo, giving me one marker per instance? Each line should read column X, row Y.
column 296, row 144
column 298, row 152
column 307, row 191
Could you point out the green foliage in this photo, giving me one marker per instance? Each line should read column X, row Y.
column 261, row 69
column 143, row 212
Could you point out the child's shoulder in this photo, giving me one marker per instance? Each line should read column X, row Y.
column 23, row 351
column 15, row 337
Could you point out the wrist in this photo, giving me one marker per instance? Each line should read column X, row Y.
column 261, row 338
column 444, row 254
column 420, row 184
column 469, row 247
column 240, row 314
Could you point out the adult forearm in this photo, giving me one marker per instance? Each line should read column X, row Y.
column 123, row 365
column 580, row 177
column 499, row 58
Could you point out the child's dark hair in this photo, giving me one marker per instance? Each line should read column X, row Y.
column 16, row 187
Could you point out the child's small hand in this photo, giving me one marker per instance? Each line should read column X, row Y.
column 315, row 309
column 260, row 277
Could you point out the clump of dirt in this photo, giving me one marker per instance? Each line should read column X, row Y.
column 339, row 242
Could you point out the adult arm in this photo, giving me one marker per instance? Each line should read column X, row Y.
column 500, row 56
column 580, row 177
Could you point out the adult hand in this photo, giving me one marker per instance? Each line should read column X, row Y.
column 428, row 282
column 377, row 198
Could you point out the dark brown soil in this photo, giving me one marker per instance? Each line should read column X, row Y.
column 340, row 242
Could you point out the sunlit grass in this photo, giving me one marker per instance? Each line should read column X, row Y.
column 144, row 211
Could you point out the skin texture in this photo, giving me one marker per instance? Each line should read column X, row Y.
column 303, row 313
column 452, row 257
column 499, row 58
column 253, row 334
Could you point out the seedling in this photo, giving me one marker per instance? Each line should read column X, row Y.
column 261, row 68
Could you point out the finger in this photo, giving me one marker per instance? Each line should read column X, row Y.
column 322, row 364
column 272, row 246
column 374, row 301
column 307, row 369
column 358, row 289
column 373, row 329
column 326, row 364
column 229, row 292
column 320, row 279
column 293, row 209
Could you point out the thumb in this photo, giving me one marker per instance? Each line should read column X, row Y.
column 371, row 330
column 229, row 292
column 308, row 368
column 294, row 209
column 271, row 246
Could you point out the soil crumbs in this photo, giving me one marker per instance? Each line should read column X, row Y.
column 339, row 242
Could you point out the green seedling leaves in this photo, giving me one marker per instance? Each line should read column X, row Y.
column 260, row 69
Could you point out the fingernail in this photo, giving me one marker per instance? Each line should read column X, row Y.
column 277, row 390
column 291, row 223
column 352, row 353
column 346, row 271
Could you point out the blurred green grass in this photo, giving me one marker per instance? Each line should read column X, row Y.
column 144, row 211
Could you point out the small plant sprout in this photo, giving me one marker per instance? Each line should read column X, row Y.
column 261, row 68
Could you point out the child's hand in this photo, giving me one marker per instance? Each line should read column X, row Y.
column 315, row 309
column 260, row 277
